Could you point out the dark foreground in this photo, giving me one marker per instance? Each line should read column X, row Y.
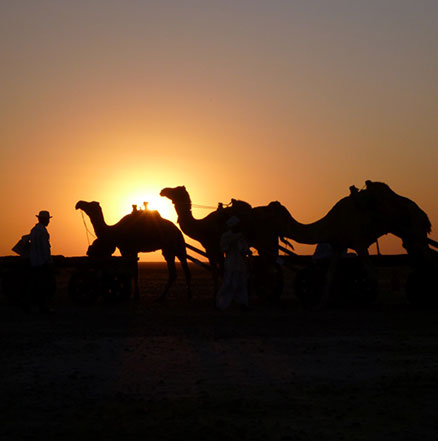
column 184, row 370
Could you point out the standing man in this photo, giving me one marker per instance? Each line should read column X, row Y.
column 235, row 283
column 43, row 276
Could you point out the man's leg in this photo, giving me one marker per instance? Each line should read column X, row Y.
column 225, row 293
column 241, row 289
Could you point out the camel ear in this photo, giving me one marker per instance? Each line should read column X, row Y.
column 184, row 187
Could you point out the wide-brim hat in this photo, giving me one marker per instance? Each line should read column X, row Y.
column 43, row 214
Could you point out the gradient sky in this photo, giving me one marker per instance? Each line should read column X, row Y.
column 258, row 100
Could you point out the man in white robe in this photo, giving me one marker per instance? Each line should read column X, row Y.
column 235, row 283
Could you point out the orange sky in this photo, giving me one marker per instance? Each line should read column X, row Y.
column 261, row 101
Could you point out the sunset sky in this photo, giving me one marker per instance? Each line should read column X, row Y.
column 258, row 100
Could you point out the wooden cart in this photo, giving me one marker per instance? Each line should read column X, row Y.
column 108, row 278
column 352, row 284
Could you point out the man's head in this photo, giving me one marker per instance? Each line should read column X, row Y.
column 44, row 217
column 233, row 223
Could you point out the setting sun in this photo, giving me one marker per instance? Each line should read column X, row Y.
column 150, row 202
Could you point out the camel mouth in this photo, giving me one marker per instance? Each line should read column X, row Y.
column 166, row 192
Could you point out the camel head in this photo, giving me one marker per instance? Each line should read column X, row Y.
column 178, row 195
column 91, row 208
column 101, row 248
column 277, row 215
column 94, row 212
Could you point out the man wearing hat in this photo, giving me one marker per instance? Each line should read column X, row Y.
column 235, row 283
column 41, row 262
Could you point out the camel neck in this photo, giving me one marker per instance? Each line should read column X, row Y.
column 188, row 224
column 184, row 212
column 304, row 233
column 99, row 225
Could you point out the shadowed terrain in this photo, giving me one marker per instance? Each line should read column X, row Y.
column 162, row 370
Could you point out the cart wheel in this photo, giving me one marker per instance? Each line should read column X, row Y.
column 14, row 286
column 421, row 287
column 277, row 283
column 309, row 285
column 266, row 281
column 117, row 288
column 83, row 287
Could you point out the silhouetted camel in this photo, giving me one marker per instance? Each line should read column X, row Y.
column 207, row 230
column 140, row 231
column 358, row 220
column 255, row 224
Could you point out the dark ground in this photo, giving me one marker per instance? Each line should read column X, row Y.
column 184, row 370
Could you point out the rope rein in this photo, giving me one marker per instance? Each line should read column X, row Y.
column 209, row 207
column 88, row 232
column 203, row 206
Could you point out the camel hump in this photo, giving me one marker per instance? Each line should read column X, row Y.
column 240, row 205
column 275, row 204
column 406, row 209
column 144, row 216
column 153, row 213
column 379, row 187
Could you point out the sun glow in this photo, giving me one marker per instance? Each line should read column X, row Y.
column 150, row 202
column 162, row 205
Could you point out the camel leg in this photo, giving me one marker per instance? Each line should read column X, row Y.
column 135, row 279
column 134, row 274
column 187, row 274
column 172, row 276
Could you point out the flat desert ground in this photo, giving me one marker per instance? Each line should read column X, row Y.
column 183, row 370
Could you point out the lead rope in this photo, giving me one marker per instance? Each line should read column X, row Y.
column 209, row 207
column 286, row 242
column 203, row 206
column 87, row 231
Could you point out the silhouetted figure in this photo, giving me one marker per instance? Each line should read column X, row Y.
column 323, row 251
column 134, row 208
column 43, row 276
column 145, row 205
column 258, row 224
column 235, row 283
column 207, row 230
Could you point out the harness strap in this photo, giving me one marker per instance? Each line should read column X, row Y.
column 88, row 232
